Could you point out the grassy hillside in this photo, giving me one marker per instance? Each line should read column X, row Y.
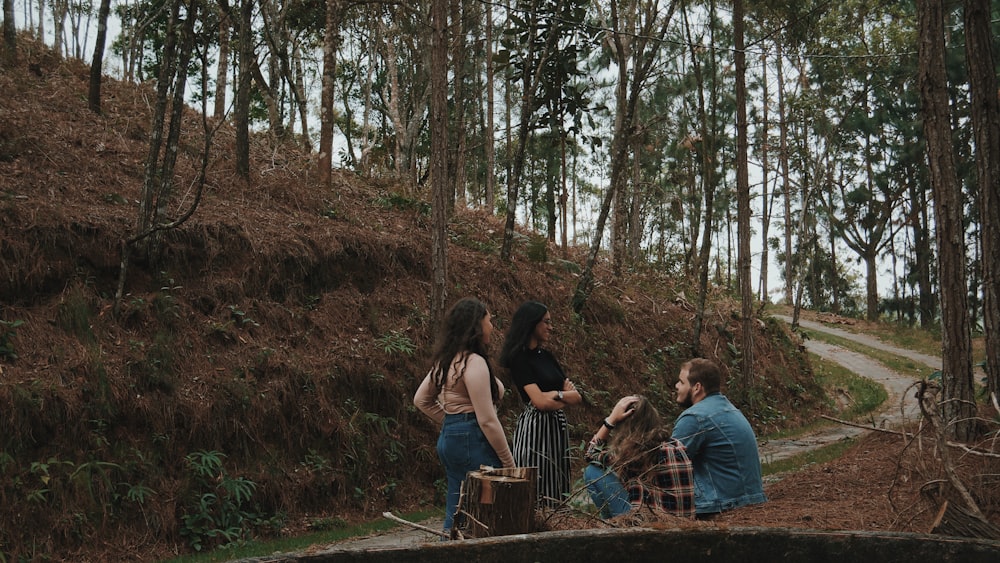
column 258, row 377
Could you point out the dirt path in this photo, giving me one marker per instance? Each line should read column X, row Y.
column 900, row 405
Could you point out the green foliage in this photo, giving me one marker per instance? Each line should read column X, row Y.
column 138, row 493
column 325, row 524
column 403, row 203
column 164, row 302
column 74, row 316
column 216, row 512
column 396, row 342
column 316, row 462
column 538, row 249
column 240, row 318
column 8, row 329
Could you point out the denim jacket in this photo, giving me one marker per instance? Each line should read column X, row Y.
column 723, row 450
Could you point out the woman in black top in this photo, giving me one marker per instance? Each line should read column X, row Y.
column 541, row 438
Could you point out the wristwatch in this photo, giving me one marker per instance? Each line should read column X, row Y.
column 559, row 395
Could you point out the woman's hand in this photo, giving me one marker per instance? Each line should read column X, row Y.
column 623, row 409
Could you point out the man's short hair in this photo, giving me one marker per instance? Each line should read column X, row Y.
column 705, row 372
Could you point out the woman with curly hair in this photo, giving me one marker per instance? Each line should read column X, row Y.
column 461, row 393
column 635, row 464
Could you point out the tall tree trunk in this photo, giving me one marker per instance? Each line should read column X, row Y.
column 651, row 31
column 923, row 254
column 439, row 159
column 986, row 126
column 41, row 20
column 331, row 39
column 958, row 402
column 10, row 33
column 765, row 198
column 222, row 69
column 241, row 113
column 97, row 64
column 458, row 137
column 531, row 73
column 299, row 87
column 59, row 9
column 151, row 171
column 488, row 134
column 708, row 186
column 786, row 179
column 743, row 204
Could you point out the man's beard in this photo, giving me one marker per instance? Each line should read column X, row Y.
column 686, row 401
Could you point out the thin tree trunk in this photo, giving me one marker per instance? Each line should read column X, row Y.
column 241, row 114
column 986, row 126
column 439, row 159
column 10, row 33
column 958, row 402
column 299, row 87
column 765, row 197
column 459, row 137
column 59, row 8
column 147, row 197
column 488, row 135
column 331, row 38
column 97, row 64
column 222, row 70
column 708, row 185
column 785, row 177
column 743, row 205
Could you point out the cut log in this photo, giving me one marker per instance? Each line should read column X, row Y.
column 498, row 502
column 953, row 520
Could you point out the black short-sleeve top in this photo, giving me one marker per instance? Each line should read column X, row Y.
column 536, row 366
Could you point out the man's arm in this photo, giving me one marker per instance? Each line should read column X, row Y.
column 688, row 431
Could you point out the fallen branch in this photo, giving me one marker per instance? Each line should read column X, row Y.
column 963, row 447
column 416, row 526
column 928, row 399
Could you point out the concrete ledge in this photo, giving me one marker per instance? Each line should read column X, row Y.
column 635, row 545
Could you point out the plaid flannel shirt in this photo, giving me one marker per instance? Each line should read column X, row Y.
column 666, row 485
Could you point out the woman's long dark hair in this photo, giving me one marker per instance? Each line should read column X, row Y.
column 461, row 335
column 522, row 326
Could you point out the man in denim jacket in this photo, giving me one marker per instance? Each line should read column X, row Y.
column 719, row 441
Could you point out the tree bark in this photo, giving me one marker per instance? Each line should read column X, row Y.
column 958, row 403
column 97, row 64
column 439, row 159
column 766, row 203
column 331, row 39
column 986, row 127
column 743, row 205
column 488, row 133
column 222, row 69
column 500, row 502
column 786, row 180
column 241, row 113
column 10, row 33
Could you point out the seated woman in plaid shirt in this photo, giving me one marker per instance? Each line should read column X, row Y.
column 640, row 465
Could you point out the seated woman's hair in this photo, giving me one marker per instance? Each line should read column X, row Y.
column 636, row 436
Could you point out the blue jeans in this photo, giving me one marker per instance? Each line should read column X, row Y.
column 606, row 491
column 462, row 447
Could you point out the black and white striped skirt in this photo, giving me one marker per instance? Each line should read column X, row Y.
column 541, row 439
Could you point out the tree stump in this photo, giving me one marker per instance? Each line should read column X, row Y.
column 499, row 502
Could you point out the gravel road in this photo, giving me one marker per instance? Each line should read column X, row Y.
column 900, row 406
